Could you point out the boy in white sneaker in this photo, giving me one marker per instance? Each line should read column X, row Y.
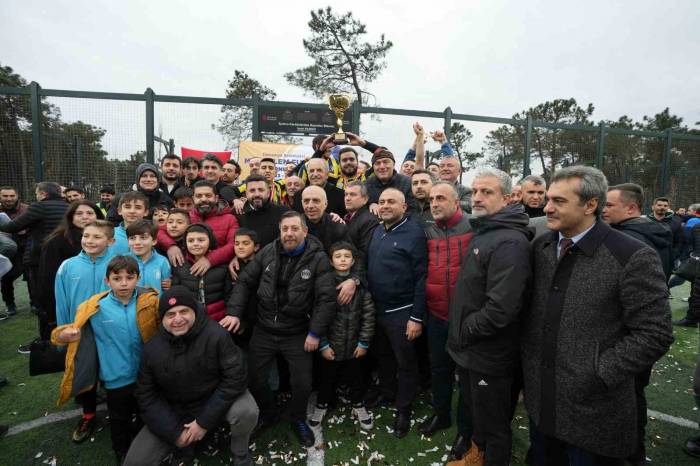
column 347, row 341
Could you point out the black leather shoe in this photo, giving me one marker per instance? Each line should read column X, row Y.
column 692, row 446
column 377, row 399
column 459, row 448
column 402, row 424
column 304, row 433
column 264, row 423
column 433, row 424
column 685, row 322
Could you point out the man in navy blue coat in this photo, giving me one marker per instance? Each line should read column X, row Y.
column 397, row 265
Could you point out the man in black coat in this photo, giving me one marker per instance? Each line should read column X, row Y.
column 191, row 378
column 259, row 213
column 315, row 204
column 39, row 220
column 359, row 220
column 598, row 317
column 484, row 311
column 296, row 295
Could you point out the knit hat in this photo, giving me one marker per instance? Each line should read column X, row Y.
column 178, row 295
column 382, row 153
column 144, row 167
column 203, row 228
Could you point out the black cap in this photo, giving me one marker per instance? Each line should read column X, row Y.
column 178, row 295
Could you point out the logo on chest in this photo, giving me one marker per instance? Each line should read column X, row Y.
column 306, row 274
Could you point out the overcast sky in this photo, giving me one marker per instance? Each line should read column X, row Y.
column 493, row 58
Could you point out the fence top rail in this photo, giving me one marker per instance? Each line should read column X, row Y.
column 26, row 90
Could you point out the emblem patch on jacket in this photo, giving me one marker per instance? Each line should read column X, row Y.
column 306, row 274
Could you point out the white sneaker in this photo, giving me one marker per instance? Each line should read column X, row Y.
column 363, row 417
column 317, row 416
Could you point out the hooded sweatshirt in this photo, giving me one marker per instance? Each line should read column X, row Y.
column 78, row 279
column 656, row 234
column 155, row 197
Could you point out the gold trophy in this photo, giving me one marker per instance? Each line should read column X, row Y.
column 339, row 103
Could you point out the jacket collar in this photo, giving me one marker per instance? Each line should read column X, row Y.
column 396, row 225
column 452, row 221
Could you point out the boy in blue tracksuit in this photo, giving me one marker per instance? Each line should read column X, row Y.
column 105, row 341
column 82, row 276
column 133, row 206
column 78, row 279
column 154, row 269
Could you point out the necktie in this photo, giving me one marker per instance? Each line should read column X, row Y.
column 564, row 245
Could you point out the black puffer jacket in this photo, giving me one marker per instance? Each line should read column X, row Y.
column 310, row 299
column 196, row 376
column 359, row 230
column 658, row 235
column 217, row 287
column 41, row 218
column 490, row 293
column 353, row 324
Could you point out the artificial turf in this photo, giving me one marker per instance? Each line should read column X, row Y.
column 26, row 398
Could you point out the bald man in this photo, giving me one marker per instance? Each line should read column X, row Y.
column 317, row 170
column 314, row 202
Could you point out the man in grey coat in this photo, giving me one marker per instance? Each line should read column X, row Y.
column 599, row 316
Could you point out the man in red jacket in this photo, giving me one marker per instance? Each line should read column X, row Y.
column 224, row 225
column 448, row 239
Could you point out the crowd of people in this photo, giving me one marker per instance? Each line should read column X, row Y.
column 197, row 296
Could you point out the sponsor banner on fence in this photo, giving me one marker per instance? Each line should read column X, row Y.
column 282, row 153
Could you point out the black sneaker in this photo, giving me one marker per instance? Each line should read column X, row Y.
column 303, row 433
column 3, row 429
column 11, row 310
column 685, row 322
column 4, row 315
column 25, row 349
column 84, row 429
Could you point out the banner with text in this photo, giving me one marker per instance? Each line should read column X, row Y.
column 282, row 153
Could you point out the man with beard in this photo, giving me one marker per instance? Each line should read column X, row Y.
column 385, row 176
column 396, row 269
column 224, row 225
column 661, row 213
column 348, row 168
column 317, row 170
column 533, row 189
column 259, row 213
column 148, row 183
column 74, row 193
column 294, row 283
column 212, row 169
column 359, row 220
column 190, row 171
column 421, row 182
column 275, row 190
column 170, row 166
column 231, row 172
column 319, row 223
column 516, row 196
column 106, row 195
column 483, row 316
column 450, row 169
column 10, row 205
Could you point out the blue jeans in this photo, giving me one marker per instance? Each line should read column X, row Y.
column 442, row 369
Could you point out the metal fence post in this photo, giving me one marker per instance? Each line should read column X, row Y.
column 448, row 122
column 600, row 147
column 666, row 162
column 528, row 144
column 150, row 125
column 78, row 161
column 356, row 113
column 37, row 151
column 256, row 118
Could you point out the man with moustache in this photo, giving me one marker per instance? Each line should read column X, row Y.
column 396, row 270
column 448, row 241
column 295, row 287
column 170, row 169
column 320, row 224
column 533, row 188
column 10, row 204
column 359, row 220
column 484, row 313
column 348, row 168
column 259, row 213
column 224, row 225
column 293, row 185
column 421, row 183
column 231, row 172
